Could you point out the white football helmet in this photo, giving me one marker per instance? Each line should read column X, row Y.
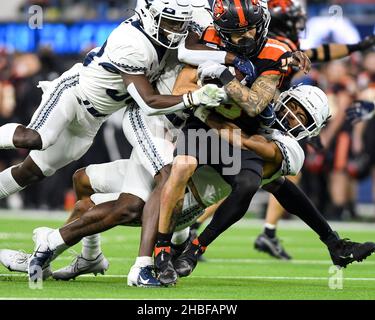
column 315, row 103
column 166, row 21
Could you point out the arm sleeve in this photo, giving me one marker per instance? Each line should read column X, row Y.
column 132, row 90
column 196, row 57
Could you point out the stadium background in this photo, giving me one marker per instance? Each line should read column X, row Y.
column 71, row 28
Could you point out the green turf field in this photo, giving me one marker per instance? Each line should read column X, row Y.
column 233, row 270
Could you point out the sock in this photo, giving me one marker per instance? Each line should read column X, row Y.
column 91, row 247
column 143, row 261
column 270, row 230
column 197, row 242
column 8, row 185
column 163, row 239
column 6, row 135
column 181, row 236
column 331, row 239
column 195, row 225
column 295, row 201
column 56, row 242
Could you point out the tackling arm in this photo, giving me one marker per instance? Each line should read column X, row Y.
column 194, row 53
column 268, row 150
column 255, row 99
column 148, row 100
column 140, row 89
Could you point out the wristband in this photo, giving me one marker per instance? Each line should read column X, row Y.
column 353, row 47
column 226, row 77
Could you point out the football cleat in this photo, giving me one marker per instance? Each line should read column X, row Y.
column 344, row 251
column 272, row 246
column 42, row 255
column 167, row 275
column 143, row 277
column 16, row 261
column 80, row 266
column 177, row 249
column 188, row 260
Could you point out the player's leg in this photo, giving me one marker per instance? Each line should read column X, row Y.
column 244, row 186
column 17, row 260
column 342, row 252
column 267, row 241
column 152, row 141
column 127, row 209
column 15, row 135
column 53, row 116
column 55, row 111
column 171, row 203
column 89, row 182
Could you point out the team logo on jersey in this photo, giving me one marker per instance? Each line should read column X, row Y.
column 218, row 9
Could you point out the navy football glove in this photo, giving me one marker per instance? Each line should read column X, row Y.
column 267, row 117
column 246, row 67
column 361, row 110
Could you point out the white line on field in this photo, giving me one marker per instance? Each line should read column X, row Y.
column 295, row 224
column 250, row 261
column 214, row 277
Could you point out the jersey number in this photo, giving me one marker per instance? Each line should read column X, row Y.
column 114, row 94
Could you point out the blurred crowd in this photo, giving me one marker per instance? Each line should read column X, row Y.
column 344, row 156
column 19, row 98
column 334, row 166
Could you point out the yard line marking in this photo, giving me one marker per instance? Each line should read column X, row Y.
column 244, row 260
column 214, row 277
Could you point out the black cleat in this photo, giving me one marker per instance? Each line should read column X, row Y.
column 178, row 249
column 194, row 234
column 271, row 246
column 188, row 260
column 167, row 275
column 344, row 251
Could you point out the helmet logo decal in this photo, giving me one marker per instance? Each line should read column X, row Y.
column 218, row 9
column 169, row 11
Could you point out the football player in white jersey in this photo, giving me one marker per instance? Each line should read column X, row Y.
column 284, row 156
column 75, row 105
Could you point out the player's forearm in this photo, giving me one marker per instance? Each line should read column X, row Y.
column 261, row 147
column 196, row 54
column 255, row 99
column 327, row 52
column 227, row 130
column 153, row 104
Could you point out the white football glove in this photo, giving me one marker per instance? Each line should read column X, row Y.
column 210, row 69
column 210, row 95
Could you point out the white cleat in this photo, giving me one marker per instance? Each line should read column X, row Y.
column 81, row 266
column 142, row 277
column 16, row 261
column 42, row 255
